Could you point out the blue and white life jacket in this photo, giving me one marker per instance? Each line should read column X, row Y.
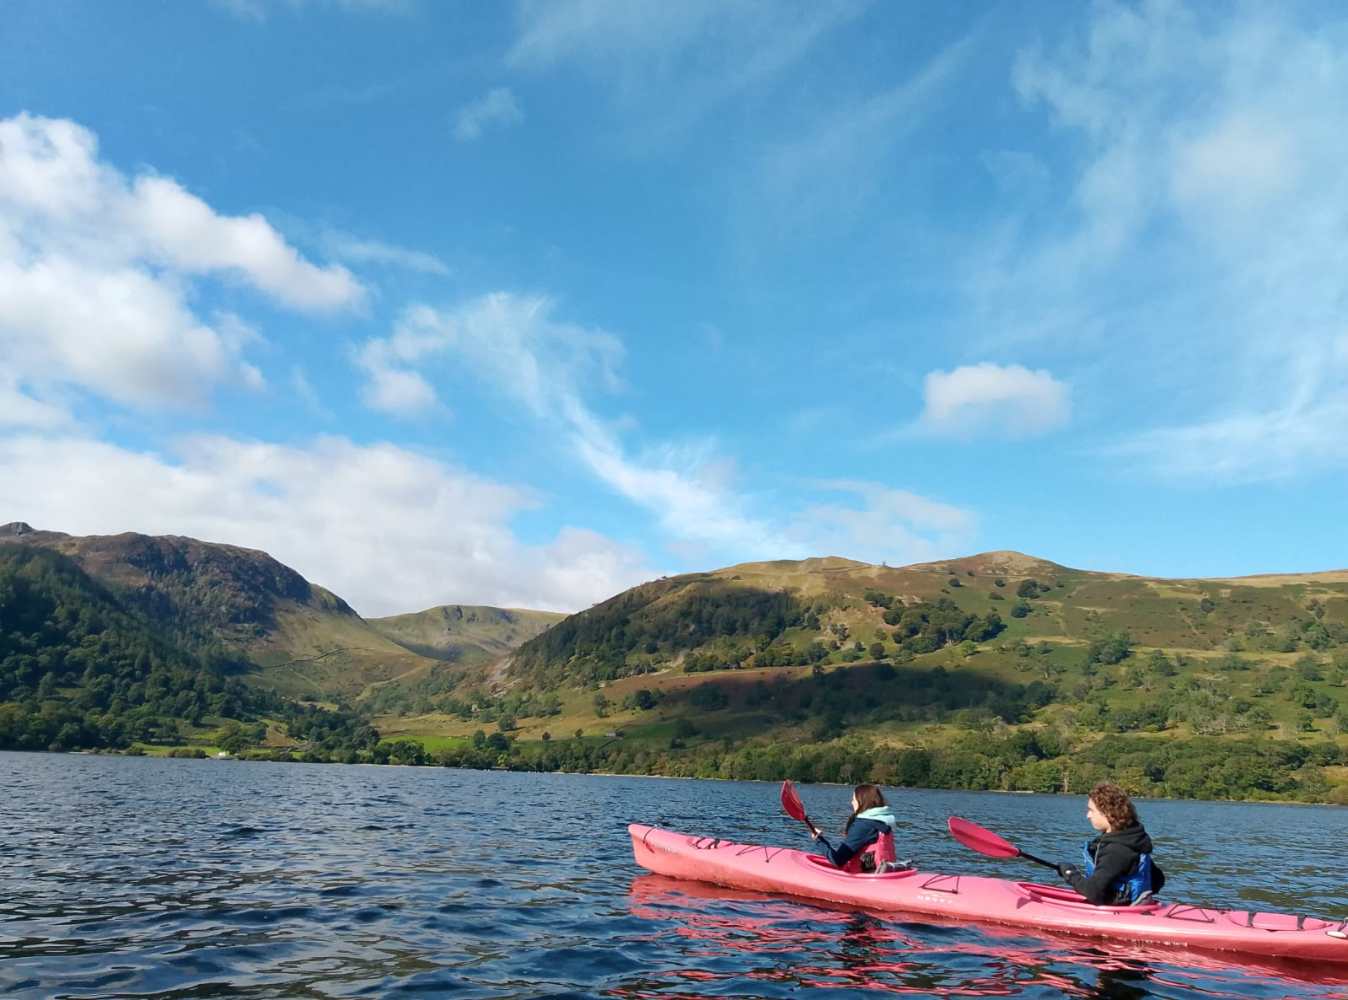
column 1133, row 886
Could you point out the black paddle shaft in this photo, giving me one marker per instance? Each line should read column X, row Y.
column 1038, row 861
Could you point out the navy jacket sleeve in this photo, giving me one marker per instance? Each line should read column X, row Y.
column 1112, row 864
column 860, row 837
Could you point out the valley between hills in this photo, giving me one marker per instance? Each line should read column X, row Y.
column 998, row 670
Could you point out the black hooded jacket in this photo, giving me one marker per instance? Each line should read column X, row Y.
column 1116, row 855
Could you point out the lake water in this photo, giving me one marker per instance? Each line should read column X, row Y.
column 178, row 878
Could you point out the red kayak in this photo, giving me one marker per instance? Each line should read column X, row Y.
column 780, row 870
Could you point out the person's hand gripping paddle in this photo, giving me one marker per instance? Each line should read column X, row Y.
column 983, row 841
column 794, row 808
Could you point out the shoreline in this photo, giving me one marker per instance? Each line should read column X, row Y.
column 674, row 777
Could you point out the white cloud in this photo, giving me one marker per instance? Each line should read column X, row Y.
column 398, row 391
column 549, row 366
column 1241, row 162
column 386, row 528
column 345, row 246
column 497, row 107
column 19, row 409
column 56, row 195
column 889, row 525
column 1202, row 252
column 515, row 344
column 127, row 335
column 184, row 232
column 1007, row 400
column 513, row 341
column 131, row 247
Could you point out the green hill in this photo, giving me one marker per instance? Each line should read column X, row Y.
column 998, row 670
column 462, row 633
column 773, row 614
column 301, row 640
column 81, row 669
column 77, row 669
column 993, row 671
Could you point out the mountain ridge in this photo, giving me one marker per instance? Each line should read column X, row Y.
column 307, row 642
column 998, row 669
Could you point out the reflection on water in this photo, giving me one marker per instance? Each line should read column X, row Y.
column 824, row 947
column 157, row 878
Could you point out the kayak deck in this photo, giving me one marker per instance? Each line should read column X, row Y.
column 969, row 897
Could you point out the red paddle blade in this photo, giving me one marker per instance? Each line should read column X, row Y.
column 791, row 801
column 973, row 836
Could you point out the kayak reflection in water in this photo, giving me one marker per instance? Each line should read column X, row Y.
column 868, row 836
column 1116, row 868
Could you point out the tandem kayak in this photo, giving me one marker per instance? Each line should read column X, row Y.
column 781, row 870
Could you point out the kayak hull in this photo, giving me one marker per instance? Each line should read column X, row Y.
column 780, row 870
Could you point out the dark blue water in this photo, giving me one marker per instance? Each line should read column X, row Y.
column 136, row 877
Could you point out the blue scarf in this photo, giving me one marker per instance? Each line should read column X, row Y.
column 880, row 814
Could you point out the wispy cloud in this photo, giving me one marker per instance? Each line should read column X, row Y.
column 686, row 58
column 360, row 250
column 1207, row 215
column 551, row 367
column 1249, row 447
column 832, row 168
column 882, row 524
column 497, row 108
column 544, row 364
column 306, row 393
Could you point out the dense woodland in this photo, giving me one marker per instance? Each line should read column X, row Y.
column 1203, row 768
column 651, row 626
column 81, row 670
column 655, row 621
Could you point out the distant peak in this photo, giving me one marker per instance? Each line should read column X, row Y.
column 998, row 561
column 17, row 528
column 807, row 565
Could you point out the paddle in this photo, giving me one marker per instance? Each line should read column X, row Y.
column 794, row 808
column 983, row 841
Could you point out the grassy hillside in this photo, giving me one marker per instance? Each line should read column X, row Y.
column 79, row 668
column 993, row 671
column 295, row 638
column 303, row 641
column 462, row 633
column 1003, row 670
column 758, row 613
column 468, row 643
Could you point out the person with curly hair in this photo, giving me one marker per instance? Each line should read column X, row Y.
column 1117, row 868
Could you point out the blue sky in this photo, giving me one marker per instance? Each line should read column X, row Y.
column 524, row 303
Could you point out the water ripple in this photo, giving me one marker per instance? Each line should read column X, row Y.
column 136, row 877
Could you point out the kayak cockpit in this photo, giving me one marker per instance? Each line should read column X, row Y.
column 1059, row 896
column 814, row 861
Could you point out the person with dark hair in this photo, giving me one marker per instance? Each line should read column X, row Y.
column 868, row 831
column 1117, row 868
